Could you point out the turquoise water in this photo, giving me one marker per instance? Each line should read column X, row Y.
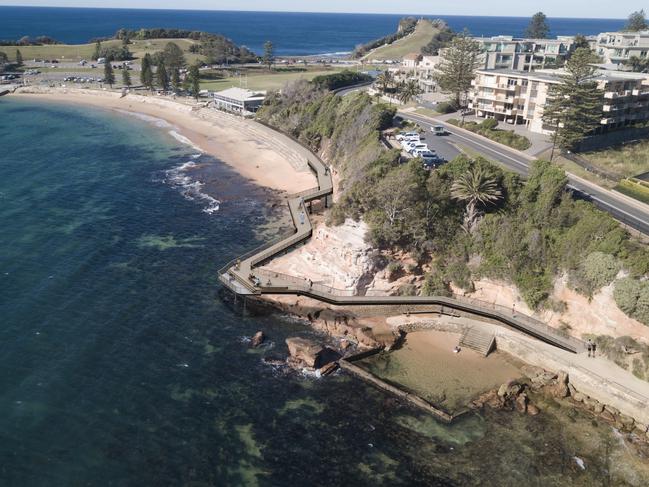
column 122, row 364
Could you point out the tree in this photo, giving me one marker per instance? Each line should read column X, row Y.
column 109, row 75
column 194, row 80
column 269, row 54
column 126, row 78
column 384, row 80
column 408, row 90
column 175, row 79
column 477, row 190
column 97, row 53
column 637, row 64
column 173, row 56
column 581, row 42
column 574, row 106
column 538, row 27
column 162, row 76
column 637, row 21
column 457, row 68
column 19, row 58
column 146, row 75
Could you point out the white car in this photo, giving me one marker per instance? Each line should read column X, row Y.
column 417, row 146
column 420, row 151
column 409, row 140
column 404, row 135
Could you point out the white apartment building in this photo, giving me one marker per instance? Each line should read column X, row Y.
column 518, row 98
column 239, row 100
column 507, row 52
column 617, row 47
column 419, row 67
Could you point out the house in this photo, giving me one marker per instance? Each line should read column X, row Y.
column 517, row 97
column 239, row 100
column 410, row 61
column 507, row 52
column 617, row 47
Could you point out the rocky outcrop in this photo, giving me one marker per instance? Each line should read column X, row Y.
column 304, row 352
column 257, row 339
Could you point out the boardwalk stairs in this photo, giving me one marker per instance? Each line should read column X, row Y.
column 479, row 340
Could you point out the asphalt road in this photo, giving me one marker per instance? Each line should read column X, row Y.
column 629, row 212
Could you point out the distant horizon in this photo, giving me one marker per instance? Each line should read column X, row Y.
column 405, row 14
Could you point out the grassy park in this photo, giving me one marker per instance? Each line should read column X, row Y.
column 628, row 160
column 262, row 79
column 422, row 35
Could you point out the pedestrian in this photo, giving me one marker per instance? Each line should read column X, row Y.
column 589, row 345
column 594, row 348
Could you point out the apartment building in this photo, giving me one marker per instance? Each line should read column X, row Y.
column 420, row 68
column 518, row 98
column 618, row 47
column 507, row 52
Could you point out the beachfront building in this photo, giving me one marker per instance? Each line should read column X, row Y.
column 518, row 98
column 618, row 47
column 420, row 68
column 410, row 61
column 239, row 100
column 507, row 52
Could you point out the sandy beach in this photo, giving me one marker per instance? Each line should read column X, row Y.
column 254, row 151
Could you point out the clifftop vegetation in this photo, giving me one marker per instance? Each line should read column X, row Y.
column 469, row 218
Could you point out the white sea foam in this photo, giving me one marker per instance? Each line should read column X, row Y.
column 184, row 140
column 191, row 189
column 158, row 122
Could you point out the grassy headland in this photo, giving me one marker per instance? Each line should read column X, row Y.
column 413, row 42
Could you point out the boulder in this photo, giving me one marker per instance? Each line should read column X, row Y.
column 578, row 397
column 642, row 428
column 559, row 390
column 305, row 351
column 532, row 410
column 612, row 410
column 594, row 405
column 627, row 422
column 521, row 403
column 562, row 377
column 257, row 339
column 572, row 389
column 344, row 344
column 510, row 388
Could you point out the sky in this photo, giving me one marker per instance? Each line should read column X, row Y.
column 523, row 8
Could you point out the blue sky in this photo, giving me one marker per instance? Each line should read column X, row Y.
column 553, row 8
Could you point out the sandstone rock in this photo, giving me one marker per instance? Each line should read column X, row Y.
column 521, row 403
column 344, row 344
column 578, row 396
column 627, row 422
column 562, row 377
column 306, row 351
column 642, row 428
column 612, row 410
column 594, row 405
column 559, row 390
column 607, row 416
column 509, row 389
column 257, row 339
column 571, row 389
column 532, row 410
column 532, row 371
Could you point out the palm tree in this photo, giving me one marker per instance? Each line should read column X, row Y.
column 477, row 190
column 408, row 90
column 384, row 81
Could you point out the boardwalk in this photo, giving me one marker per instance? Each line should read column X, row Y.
column 244, row 276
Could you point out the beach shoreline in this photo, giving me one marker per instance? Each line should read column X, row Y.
column 265, row 158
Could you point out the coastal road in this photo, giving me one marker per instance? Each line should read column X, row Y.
column 628, row 211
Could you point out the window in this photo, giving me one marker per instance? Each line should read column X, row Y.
column 511, row 82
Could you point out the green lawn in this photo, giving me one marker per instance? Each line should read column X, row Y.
column 263, row 80
column 630, row 160
column 76, row 52
column 422, row 35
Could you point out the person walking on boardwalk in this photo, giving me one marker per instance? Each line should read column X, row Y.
column 589, row 345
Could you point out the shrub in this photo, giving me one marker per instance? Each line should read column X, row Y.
column 407, row 290
column 434, row 285
column 596, row 271
column 632, row 297
column 489, row 124
column 395, row 269
column 445, row 107
column 340, row 80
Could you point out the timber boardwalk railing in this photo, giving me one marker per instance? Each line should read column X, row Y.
column 244, row 276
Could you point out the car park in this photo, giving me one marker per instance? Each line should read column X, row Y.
column 403, row 135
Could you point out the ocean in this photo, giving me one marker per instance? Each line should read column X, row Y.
column 291, row 33
column 123, row 363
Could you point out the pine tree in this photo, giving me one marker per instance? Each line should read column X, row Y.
column 97, row 53
column 574, row 106
column 193, row 78
column 19, row 58
column 637, row 22
column 269, row 54
column 126, row 77
column 538, row 27
column 146, row 73
column 109, row 75
column 163, row 77
column 175, row 79
column 457, row 68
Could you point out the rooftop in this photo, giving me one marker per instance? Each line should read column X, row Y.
column 240, row 94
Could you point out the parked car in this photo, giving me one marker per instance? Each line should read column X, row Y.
column 418, row 151
column 409, row 140
column 403, row 135
column 417, row 146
